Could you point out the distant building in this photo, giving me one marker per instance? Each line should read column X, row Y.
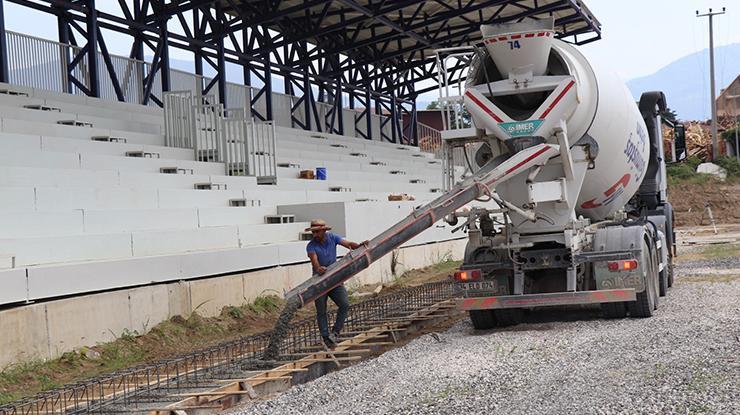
column 728, row 101
column 432, row 118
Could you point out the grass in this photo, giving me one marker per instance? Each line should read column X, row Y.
column 169, row 338
column 712, row 252
column 684, row 172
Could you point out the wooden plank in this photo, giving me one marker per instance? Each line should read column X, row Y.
column 254, row 379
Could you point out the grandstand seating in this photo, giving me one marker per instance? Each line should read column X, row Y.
column 82, row 215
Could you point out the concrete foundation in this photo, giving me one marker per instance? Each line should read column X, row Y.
column 46, row 330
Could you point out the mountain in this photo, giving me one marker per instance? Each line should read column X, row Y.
column 685, row 81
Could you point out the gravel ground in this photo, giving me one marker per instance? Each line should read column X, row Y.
column 686, row 359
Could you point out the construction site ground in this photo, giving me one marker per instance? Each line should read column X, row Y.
column 685, row 359
column 179, row 336
column 703, row 261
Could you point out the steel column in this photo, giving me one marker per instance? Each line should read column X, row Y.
column 164, row 59
column 63, row 31
column 369, row 120
column 91, row 20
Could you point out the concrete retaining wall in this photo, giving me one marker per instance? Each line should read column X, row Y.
column 46, row 330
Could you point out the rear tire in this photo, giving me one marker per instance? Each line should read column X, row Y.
column 482, row 319
column 614, row 310
column 508, row 316
column 663, row 281
column 646, row 300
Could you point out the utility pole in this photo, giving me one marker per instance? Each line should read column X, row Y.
column 711, row 77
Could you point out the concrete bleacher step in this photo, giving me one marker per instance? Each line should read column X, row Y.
column 285, row 218
column 41, row 107
column 108, row 139
column 142, row 154
column 175, row 170
column 210, row 186
column 244, row 202
column 289, row 165
column 13, row 92
column 75, row 123
column 339, row 189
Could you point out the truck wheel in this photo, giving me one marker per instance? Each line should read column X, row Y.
column 663, row 281
column 508, row 316
column 482, row 319
column 645, row 303
column 614, row 310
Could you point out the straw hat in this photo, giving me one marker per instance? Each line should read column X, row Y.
column 318, row 225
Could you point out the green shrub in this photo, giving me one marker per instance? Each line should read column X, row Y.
column 731, row 164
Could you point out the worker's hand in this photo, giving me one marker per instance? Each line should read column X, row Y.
column 321, row 270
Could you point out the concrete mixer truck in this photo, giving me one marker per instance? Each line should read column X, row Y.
column 570, row 181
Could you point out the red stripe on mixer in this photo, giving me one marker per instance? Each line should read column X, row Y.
column 557, row 99
column 483, row 106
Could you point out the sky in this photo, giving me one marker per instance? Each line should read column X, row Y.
column 646, row 35
column 638, row 36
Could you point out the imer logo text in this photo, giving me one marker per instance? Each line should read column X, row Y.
column 521, row 128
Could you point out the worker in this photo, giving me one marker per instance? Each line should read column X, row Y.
column 322, row 251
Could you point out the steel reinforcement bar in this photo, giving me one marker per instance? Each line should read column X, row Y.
column 102, row 394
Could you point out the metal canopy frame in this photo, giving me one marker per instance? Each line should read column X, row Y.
column 371, row 53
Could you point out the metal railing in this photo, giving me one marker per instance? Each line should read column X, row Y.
column 430, row 140
column 37, row 63
column 41, row 63
column 230, row 136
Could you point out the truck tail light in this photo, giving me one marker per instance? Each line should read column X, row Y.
column 468, row 275
column 625, row 265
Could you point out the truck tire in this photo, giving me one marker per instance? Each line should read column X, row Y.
column 482, row 319
column 663, row 281
column 614, row 310
column 508, row 316
column 645, row 304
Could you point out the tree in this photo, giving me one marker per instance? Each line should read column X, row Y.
column 669, row 115
column 462, row 110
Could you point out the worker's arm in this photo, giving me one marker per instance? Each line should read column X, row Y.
column 317, row 268
column 352, row 245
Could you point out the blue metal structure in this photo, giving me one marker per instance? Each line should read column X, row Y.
column 376, row 53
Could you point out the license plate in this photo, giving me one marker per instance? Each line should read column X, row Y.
column 480, row 286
